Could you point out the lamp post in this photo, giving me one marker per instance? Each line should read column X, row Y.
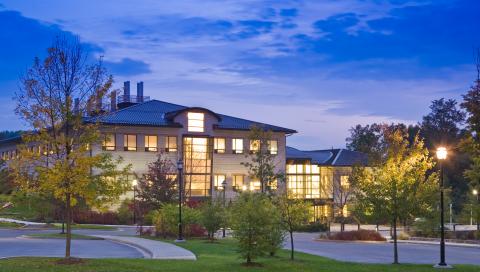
column 442, row 156
column 224, row 187
column 134, row 185
column 180, row 201
column 475, row 193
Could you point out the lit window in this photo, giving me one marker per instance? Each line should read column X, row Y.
column 238, row 182
column 196, row 122
column 171, row 144
column 151, row 143
column 130, row 142
column 344, row 182
column 108, row 142
column 255, row 185
column 273, row 147
column 273, row 185
column 254, row 146
column 237, row 146
column 219, row 145
column 218, row 181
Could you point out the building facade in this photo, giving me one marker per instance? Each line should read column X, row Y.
column 212, row 148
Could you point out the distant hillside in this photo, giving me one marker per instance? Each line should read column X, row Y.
column 9, row 134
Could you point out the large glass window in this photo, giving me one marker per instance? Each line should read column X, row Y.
column 196, row 122
column 219, row 145
column 171, row 144
column 108, row 142
column 273, row 147
column 309, row 181
column 255, row 185
column 320, row 213
column 238, row 182
column 237, row 146
column 130, row 142
column 197, row 165
column 151, row 143
column 218, row 181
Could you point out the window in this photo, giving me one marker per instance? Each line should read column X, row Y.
column 237, row 146
column 218, row 181
column 196, row 122
column 219, row 145
column 151, row 143
column 238, row 183
column 255, row 185
column 305, row 180
column 254, row 146
column 344, row 182
column 171, row 144
column 273, row 147
column 130, row 142
column 109, row 142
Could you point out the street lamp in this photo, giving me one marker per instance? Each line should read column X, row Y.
column 180, row 201
column 441, row 156
column 134, row 185
column 224, row 187
column 475, row 193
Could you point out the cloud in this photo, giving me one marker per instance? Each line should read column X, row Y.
column 127, row 67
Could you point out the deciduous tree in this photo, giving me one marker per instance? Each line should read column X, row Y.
column 56, row 96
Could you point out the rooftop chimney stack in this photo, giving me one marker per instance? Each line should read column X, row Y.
column 126, row 90
column 113, row 101
column 140, row 92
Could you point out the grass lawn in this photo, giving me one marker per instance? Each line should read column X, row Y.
column 219, row 256
column 85, row 226
column 62, row 236
column 10, row 225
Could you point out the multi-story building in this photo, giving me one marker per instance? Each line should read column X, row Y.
column 212, row 147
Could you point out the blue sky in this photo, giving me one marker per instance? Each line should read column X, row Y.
column 316, row 66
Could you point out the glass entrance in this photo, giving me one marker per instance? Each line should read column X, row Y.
column 197, row 158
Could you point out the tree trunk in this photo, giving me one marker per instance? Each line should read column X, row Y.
column 395, row 249
column 292, row 247
column 69, row 225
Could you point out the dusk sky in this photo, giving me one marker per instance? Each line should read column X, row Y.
column 319, row 67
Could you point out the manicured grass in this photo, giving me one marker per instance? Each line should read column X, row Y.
column 62, row 236
column 10, row 225
column 220, row 256
column 85, row 226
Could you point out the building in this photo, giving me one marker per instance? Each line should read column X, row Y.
column 319, row 176
column 212, row 147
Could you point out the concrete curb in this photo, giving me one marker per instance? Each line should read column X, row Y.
column 436, row 243
column 152, row 251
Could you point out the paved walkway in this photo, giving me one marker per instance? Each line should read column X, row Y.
column 155, row 249
column 382, row 252
column 20, row 222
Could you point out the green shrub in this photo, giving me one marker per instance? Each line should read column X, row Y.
column 252, row 222
column 125, row 212
column 212, row 216
column 313, row 227
column 166, row 221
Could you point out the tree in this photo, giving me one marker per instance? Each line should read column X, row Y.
column 400, row 180
column 212, row 216
column 251, row 223
column 6, row 181
column 158, row 185
column 364, row 138
column 56, row 95
column 261, row 166
column 343, row 192
column 471, row 103
column 294, row 213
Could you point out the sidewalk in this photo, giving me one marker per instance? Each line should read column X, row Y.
column 21, row 222
column 153, row 249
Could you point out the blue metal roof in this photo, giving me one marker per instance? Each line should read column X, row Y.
column 332, row 157
column 155, row 113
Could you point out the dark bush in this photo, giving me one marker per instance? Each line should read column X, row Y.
column 357, row 235
column 313, row 227
column 91, row 217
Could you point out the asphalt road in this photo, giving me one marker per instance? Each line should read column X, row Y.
column 12, row 244
column 383, row 252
